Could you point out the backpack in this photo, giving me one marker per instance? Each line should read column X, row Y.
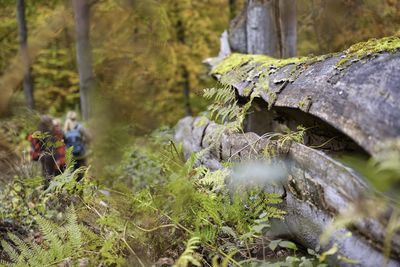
column 74, row 138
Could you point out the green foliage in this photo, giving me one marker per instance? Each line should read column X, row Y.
column 182, row 200
column 289, row 136
column 225, row 109
column 56, row 80
column 187, row 257
column 59, row 244
column 383, row 170
column 331, row 26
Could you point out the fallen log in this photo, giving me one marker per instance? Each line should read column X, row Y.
column 317, row 189
column 355, row 92
column 348, row 101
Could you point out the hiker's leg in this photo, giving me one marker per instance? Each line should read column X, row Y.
column 79, row 163
column 47, row 163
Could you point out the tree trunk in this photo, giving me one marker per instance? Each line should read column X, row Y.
column 261, row 28
column 186, row 91
column 288, row 26
column 23, row 37
column 180, row 32
column 265, row 27
column 84, row 54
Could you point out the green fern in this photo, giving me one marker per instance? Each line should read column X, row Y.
column 214, row 181
column 225, row 108
column 60, row 243
column 67, row 180
column 188, row 256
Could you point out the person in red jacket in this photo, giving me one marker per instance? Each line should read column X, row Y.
column 47, row 147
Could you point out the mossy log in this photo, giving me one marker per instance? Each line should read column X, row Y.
column 349, row 103
column 357, row 91
column 316, row 190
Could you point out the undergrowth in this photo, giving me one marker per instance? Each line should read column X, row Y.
column 184, row 215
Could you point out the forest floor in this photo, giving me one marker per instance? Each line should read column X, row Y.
column 152, row 208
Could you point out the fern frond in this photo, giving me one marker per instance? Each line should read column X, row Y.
column 188, row 255
column 25, row 251
column 73, row 230
column 11, row 252
column 59, row 243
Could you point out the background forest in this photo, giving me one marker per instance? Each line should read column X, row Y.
column 137, row 206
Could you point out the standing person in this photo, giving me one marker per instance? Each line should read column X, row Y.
column 76, row 136
column 43, row 148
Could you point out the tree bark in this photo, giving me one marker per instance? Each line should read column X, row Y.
column 261, row 27
column 23, row 38
column 357, row 105
column 84, row 54
column 265, row 27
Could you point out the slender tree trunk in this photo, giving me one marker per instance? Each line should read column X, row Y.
column 184, row 72
column 84, row 54
column 23, row 38
column 288, row 26
column 186, row 92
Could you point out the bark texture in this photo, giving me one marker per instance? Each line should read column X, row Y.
column 265, row 27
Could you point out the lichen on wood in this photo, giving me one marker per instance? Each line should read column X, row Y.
column 371, row 47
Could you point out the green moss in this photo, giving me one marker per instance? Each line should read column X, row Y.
column 231, row 69
column 361, row 50
column 235, row 61
column 272, row 97
column 246, row 91
column 305, row 103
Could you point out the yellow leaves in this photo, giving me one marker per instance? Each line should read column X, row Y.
column 42, row 35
